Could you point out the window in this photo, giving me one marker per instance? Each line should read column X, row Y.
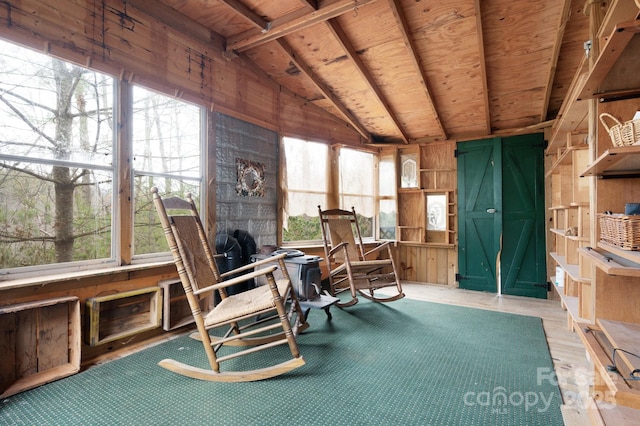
column 56, row 161
column 357, row 187
column 58, row 174
column 387, row 207
column 305, row 187
column 363, row 182
column 167, row 141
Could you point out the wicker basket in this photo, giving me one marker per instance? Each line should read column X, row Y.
column 620, row 230
column 621, row 134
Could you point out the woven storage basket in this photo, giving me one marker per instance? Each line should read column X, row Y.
column 621, row 134
column 620, row 230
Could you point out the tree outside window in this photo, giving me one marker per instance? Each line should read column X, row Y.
column 56, row 160
column 57, row 168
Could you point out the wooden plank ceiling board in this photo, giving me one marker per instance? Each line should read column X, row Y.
column 576, row 33
column 411, row 110
column 450, row 46
column 406, row 71
column 519, row 41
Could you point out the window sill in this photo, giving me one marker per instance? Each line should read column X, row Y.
column 43, row 280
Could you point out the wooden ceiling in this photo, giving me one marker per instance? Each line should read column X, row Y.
column 407, row 71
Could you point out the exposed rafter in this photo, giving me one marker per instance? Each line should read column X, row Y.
column 328, row 94
column 408, row 41
column 243, row 10
column 459, row 69
column 306, row 70
column 291, row 22
column 365, row 74
column 310, row 4
column 562, row 24
column 483, row 68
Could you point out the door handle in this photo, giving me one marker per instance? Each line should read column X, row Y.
column 491, row 210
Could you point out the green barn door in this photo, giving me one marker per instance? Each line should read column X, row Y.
column 479, row 213
column 501, row 216
column 523, row 257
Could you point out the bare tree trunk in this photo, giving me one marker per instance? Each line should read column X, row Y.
column 64, row 214
column 66, row 80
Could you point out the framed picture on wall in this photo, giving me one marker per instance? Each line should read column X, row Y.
column 409, row 170
column 436, row 212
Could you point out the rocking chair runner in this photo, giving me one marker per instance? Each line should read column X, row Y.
column 253, row 317
column 350, row 267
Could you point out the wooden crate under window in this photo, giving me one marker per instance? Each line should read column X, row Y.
column 40, row 343
column 176, row 311
column 121, row 315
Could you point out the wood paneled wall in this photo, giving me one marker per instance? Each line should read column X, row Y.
column 118, row 38
column 422, row 263
column 187, row 62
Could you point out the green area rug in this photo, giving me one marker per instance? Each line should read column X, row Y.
column 402, row 363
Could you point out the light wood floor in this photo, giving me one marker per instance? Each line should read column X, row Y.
column 567, row 351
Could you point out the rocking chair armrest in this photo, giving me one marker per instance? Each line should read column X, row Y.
column 342, row 245
column 270, row 259
column 378, row 248
column 237, row 280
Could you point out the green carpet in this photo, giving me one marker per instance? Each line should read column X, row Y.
column 402, row 363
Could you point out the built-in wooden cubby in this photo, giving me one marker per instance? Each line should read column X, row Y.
column 602, row 291
column 40, row 343
column 570, row 223
column 176, row 311
column 427, row 199
column 120, row 315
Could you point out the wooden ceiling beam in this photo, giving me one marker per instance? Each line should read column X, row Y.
column 342, row 38
column 401, row 20
column 483, row 67
column 242, row 10
column 553, row 66
column 326, row 91
column 310, row 4
column 289, row 23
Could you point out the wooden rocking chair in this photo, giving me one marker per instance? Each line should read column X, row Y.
column 350, row 267
column 257, row 317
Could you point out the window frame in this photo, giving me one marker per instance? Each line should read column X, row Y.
column 122, row 187
column 334, row 199
column 285, row 191
column 135, row 173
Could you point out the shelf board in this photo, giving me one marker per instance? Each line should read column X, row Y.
column 618, row 11
column 624, row 393
column 423, row 244
column 611, row 263
column 425, row 190
column 623, row 335
column 630, row 255
column 615, row 74
column 622, row 161
column 557, row 231
column 573, row 113
column 438, row 170
column 572, row 205
column 579, row 204
column 438, row 190
column 571, row 269
column 566, row 158
column 571, row 303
